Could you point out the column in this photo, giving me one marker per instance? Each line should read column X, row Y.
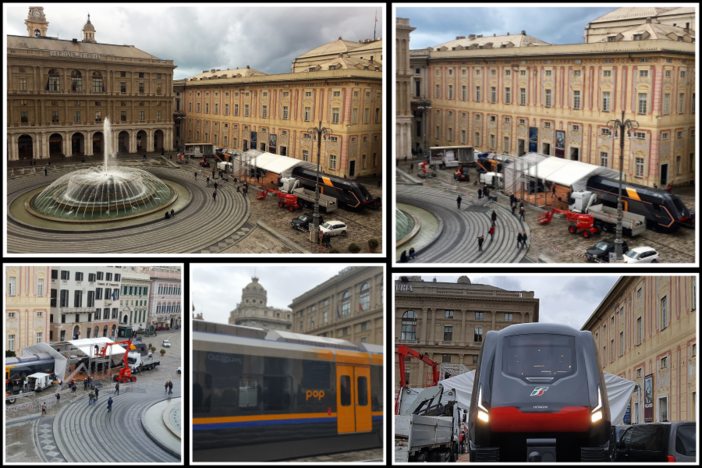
column 433, row 325
column 150, row 140
column 464, row 333
column 422, row 327
column 132, row 141
column 67, row 146
column 88, row 148
column 494, row 314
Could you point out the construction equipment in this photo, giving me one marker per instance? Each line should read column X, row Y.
column 404, row 352
column 204, row 162
column 461, row 174
column 606, row 217
column 578, row 222
column 125, row 373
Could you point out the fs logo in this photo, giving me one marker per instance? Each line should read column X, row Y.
column 538, row 391
column 315, row 394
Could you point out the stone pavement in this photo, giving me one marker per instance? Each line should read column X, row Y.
column 89, row 434
column 21, row 443
column 374, row 455
column 457, row 240
column 47, row 441
column 204, row 226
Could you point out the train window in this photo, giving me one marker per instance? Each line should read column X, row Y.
column 202, row 392
column 277, row 393
column 316, row 374
column 362, row 386
column 376, row 388
column 249, row 392
column 345, row 390
column 539, row 355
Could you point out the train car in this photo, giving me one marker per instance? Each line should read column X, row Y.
column 265, row 396
column 19, row 367
column 539, row 395
column 664, row 211
column 348, row 193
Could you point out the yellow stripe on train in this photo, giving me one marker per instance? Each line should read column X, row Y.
column 271, row 417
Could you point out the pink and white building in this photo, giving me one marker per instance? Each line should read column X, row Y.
column 165, row 297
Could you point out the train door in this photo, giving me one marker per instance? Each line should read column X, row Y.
column 664, row 175
column 353, row 399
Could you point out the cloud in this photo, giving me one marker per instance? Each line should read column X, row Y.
column 202, row 38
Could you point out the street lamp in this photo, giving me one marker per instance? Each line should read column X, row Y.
column 424, row 105
column 319, row 133
column 620, row 125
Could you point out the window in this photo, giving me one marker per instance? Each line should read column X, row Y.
column 603, row 159
column 638, row 373
column 547, row 124
column 522, row 96
column 577, row 73
column 522, row 72
column 639, row 135
column 332, row 161
column 54, row 117
column 664, row 362
column 354, row 118
column 11, row 342
column 642, row 103
column 508, row 96
column 576, row 99
column 606, row 132
column 664, row 313
column 141, row 88
column 621, row 344
column 607, row 73
column 477, row 139
column 508, row 317
column 65, row 275
column 492, row 141
column 694, row 349
column 365, row 115
column 285, row 112
column 448, row 314
column 236, row 109
column 479, row 315
column 437, row 132
column 13, row 282
column 448, row 333
column 335, row 115
column 463, row 137
column 682, row 74
column 548, row 98
column 643, row 73
column 681, row 102
column 605, row 101
column 611, row 357
column 141, row 116
column 450, row 92
column 246, row 110
column 522, row 122
column 463, row 92
column 478, row 335
column 438, row 91
column 548, row 72
column 158, row 117
column 477, row 93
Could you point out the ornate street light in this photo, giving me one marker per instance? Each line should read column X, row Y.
column 424, row 105
column 319, row 133
column 620, row 125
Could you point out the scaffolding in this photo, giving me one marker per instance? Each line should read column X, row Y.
column 447, row 371
column 96, row 367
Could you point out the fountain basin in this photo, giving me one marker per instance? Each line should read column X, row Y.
column 426, row 229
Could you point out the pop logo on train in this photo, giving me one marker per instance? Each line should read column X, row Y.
column 315, row 394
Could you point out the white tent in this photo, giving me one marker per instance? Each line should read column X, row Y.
column 619, row 392
column 568, row 173
column 87, row 346
column 59, row 361
column 518, row 167
column 270, row 162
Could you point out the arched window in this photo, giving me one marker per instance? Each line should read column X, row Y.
column 54, row 83
column 114, row 329
column 364, row 298
column 97, row 331
column 76, row 332
column 104, row 331
column 158, row 309
column 90, row 330
column 98, row 86
column 346, row 304
column 409, row 326
column 76, row 82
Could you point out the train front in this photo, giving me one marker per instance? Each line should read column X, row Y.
column 539, row 397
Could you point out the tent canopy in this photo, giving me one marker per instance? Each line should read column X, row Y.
column 59, row 360
column 568, row 173
column 87, row 346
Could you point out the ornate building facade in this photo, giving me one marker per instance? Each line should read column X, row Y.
column 61, row 91
column 645, row 331
column 610, row 26
column 253, row 310
column 505, row 95
column 448, row 321
column 165, row 296
column 349, row 306
column 403, row 78
column 239, row 109
column 27, row 306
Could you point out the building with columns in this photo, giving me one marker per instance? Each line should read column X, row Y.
column 165, row 296
column 254, row 311
column 134, row 301
column 27, row 306
column 448, row 321
column 61, row 91
column 349, row 306
column 516, row 94
column 645, row 331
column 403, row 78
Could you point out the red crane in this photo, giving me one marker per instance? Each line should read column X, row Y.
column 579, row 222
column 403, row 352
column 125, row 373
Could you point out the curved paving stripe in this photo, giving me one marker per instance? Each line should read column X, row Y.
column 461, row 228
column 88, row 433
column 204, row 226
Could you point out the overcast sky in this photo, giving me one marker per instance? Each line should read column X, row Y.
column 436, row 25
column 216, row 289
column 565, row 299
column 202, row 37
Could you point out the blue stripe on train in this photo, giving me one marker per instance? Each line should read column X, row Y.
column 276, row 422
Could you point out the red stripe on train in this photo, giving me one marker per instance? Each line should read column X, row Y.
column 511, row 419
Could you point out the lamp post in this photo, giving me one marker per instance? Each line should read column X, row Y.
column 319, row 133
column 620, row 125
column 424, row 105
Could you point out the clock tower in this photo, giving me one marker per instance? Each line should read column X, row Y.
column 36, row 22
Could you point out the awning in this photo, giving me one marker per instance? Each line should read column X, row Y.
column 568, row 173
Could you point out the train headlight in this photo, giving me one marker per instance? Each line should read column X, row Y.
column 597, row 412
column 482, row 411
column 483, row 416
column 596, row 416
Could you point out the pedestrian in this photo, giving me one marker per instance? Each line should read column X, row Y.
column 492, row 232
column 195, row 175
column 411, row 252
column 237, row 189
column 403, row 257
column 172, row 213
column 553, row 191
column 109, row 405
column 411, row 167
column 168, row 215
column 511, row 199
column 85, row 384
column 521, row 213
column 170, row 387
column 46, row 172
column 480, row 194
column 97, row 391
column 405, row 159
column 215, row 185
column 521, row 204
column 494, row 217
column 519, row 240
column 514, row 207
column 246, row 189
column 458, row 201
column 166, row 386
column 486, row 192
column 208, row 181
column 670, row 188
column 481, row 239
column 74, row 388
column 214, row 196
column 58, row 398
column 117, row 388
column 91, row 398
column 43, row 408
column 524, row 239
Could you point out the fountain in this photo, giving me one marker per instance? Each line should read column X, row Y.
column 404, row 224
column 102, row 193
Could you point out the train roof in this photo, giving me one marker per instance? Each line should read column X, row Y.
column 28, row 359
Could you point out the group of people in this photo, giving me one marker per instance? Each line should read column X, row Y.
column 243, row 189
column 169, row 387
column 513, row 204
column 404, row 258
column 170, row 215
column 484, row 192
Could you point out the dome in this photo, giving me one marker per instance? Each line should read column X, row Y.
column 88, row 26
column 463, row 280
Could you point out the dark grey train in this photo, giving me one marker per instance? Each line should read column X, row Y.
column 539, row 395
column 261, row 396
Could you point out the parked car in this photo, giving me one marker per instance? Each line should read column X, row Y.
column 178, row 370
column 304, row 222
column 334, row 228
column 617, row 432
column 658, row 442
column 641, row 255
column 600, row 251
column 166, row 344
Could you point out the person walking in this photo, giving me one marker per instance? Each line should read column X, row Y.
column 74, row 388
column 166, row 386
column 519, row 239
column 511, row 199
column 58, row 398
column 492, row 232
column 411, row 167
column 514, row 207
column 480, row 194
column 91, row 398
column 524, row 239
column 85, row 384
column 97, row 392
column 521, row 213
column 669, row 188
column 170, row 387
column 493, row 217
column 195, row 175
column 46, row 172
column 215, row 185
column 117, row 388
column 412, row 253
column 481, row 239
column 214, row 196
column 109, row 405
column 208, row 181
column 458, row 201
column 43, row 408
column 486, row 192
column 553, row 191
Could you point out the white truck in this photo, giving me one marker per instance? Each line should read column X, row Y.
column 39, row 381
column 492, row 179
column 138, row 363
column 452, row 156
column 305, row 196
column 605, row 216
